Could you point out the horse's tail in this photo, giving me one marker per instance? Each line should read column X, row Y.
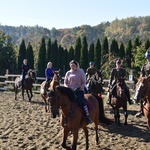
column 102, row 118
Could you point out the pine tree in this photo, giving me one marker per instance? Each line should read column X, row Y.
column 114, row 47
column 129, row 55
column 30, row 56
column 54, row 54
column 147, row 44
column 97, row 54
column 84, row 54
column 22, row 54
column 122, row 51
column 41, row 59
column 71, row 54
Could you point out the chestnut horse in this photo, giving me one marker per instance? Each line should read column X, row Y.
column 27, row 84
column 143, row 92
column 119, row 100
column 55, row 81
column 73, row 115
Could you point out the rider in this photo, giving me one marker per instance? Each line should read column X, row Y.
column 25, row 68
column 75, row 79
column 145, row 72
column 91, row 71
column 117, row 73
column 49, row 73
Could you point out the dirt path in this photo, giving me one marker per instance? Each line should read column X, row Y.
column 26, row 126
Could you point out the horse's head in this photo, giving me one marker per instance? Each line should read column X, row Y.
column 31, row 73
column 120, row 87
column 95, row 85
column 142, row 88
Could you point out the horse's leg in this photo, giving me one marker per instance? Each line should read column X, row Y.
column 65, row 135
column 22, row 94
column 75, row 137
column 86, row 136
column 28, row 94
column 125, row 115
column 118, row 116
column 96, row 133
column 31, row 95
column 16, row 91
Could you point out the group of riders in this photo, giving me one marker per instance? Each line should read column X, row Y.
column 77, row 80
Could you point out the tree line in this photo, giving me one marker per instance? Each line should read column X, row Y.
column 103, row 53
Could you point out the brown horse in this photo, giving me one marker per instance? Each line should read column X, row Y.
column 27, row 84
column 96, row 89
column 119, row 100
column 143, row 92
column 73, row 115
column 55, row 81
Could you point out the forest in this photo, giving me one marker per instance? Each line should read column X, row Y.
column 127, row 39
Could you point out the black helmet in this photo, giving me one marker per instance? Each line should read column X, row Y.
column 147, row 54
column 91, row 63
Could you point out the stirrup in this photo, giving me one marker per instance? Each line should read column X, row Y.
column 139, row 114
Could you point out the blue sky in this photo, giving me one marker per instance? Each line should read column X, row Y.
column 69, row 13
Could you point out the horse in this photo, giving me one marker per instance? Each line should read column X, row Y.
column 142, row 92
column 96, row 89
column 72, row 118
column 119, row 100
column 27, row 84
column 55, row 81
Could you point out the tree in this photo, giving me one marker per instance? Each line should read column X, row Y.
column 121, row 51
column 147, row 44
column 129, row 56
column 7, row 54
column 41, row 59
column 71, row 54
column 30, row 56
column 49, row 51
column 54, row 54
column 114, row 47
column 97, row 54
column 84, row 54
column 77, row 49
column 91, row 53
column 22, row 54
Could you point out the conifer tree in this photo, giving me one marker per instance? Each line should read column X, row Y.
column 41, row 65
column 54, row 53
column 147, row 44
column 77, row 49
column 91, row 53
column 137, row 42
column 97, row 54
column 84, row 54
column 49, row 51
column 22, row 54
column 30, row 56
column 122, row 51
column 105, row 50
column 71, row 54
column 114, row 47
column 129, row 55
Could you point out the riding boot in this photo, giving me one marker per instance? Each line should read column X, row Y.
column 88, row 119
column 109, row 99
column 128, row 97
column 140, row 113
column 21, row 84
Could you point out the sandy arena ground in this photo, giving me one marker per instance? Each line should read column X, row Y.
column 26, row 126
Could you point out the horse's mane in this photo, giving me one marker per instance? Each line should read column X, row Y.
column 66, row 91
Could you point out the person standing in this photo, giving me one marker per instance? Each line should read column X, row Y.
column 75, row 79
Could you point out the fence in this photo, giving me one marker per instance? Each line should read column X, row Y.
column 7, row 81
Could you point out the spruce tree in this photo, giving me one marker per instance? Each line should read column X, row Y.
column 41, row 65
column 84, row 54
column 71, row 54
column 122, row 51
column 22, row 54
column 48, row 51
column 114, row 50
column 30, row 56
column 129, row 56
column 147, row 44
column 54, row 53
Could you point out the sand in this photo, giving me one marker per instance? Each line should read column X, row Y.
column 26, row 126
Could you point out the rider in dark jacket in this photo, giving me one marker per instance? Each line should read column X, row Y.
column 117, row 73
column 145, row 72
column 25, row 68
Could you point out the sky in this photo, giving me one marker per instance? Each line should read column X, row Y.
column 61, row 14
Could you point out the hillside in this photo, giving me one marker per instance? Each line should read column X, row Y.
column 122, row 30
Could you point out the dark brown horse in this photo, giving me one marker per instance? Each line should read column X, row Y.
column 27, row 84
column 96, row 89
column 143, row 92
column 73, row 115
column 55, row 81
column 119, row 100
